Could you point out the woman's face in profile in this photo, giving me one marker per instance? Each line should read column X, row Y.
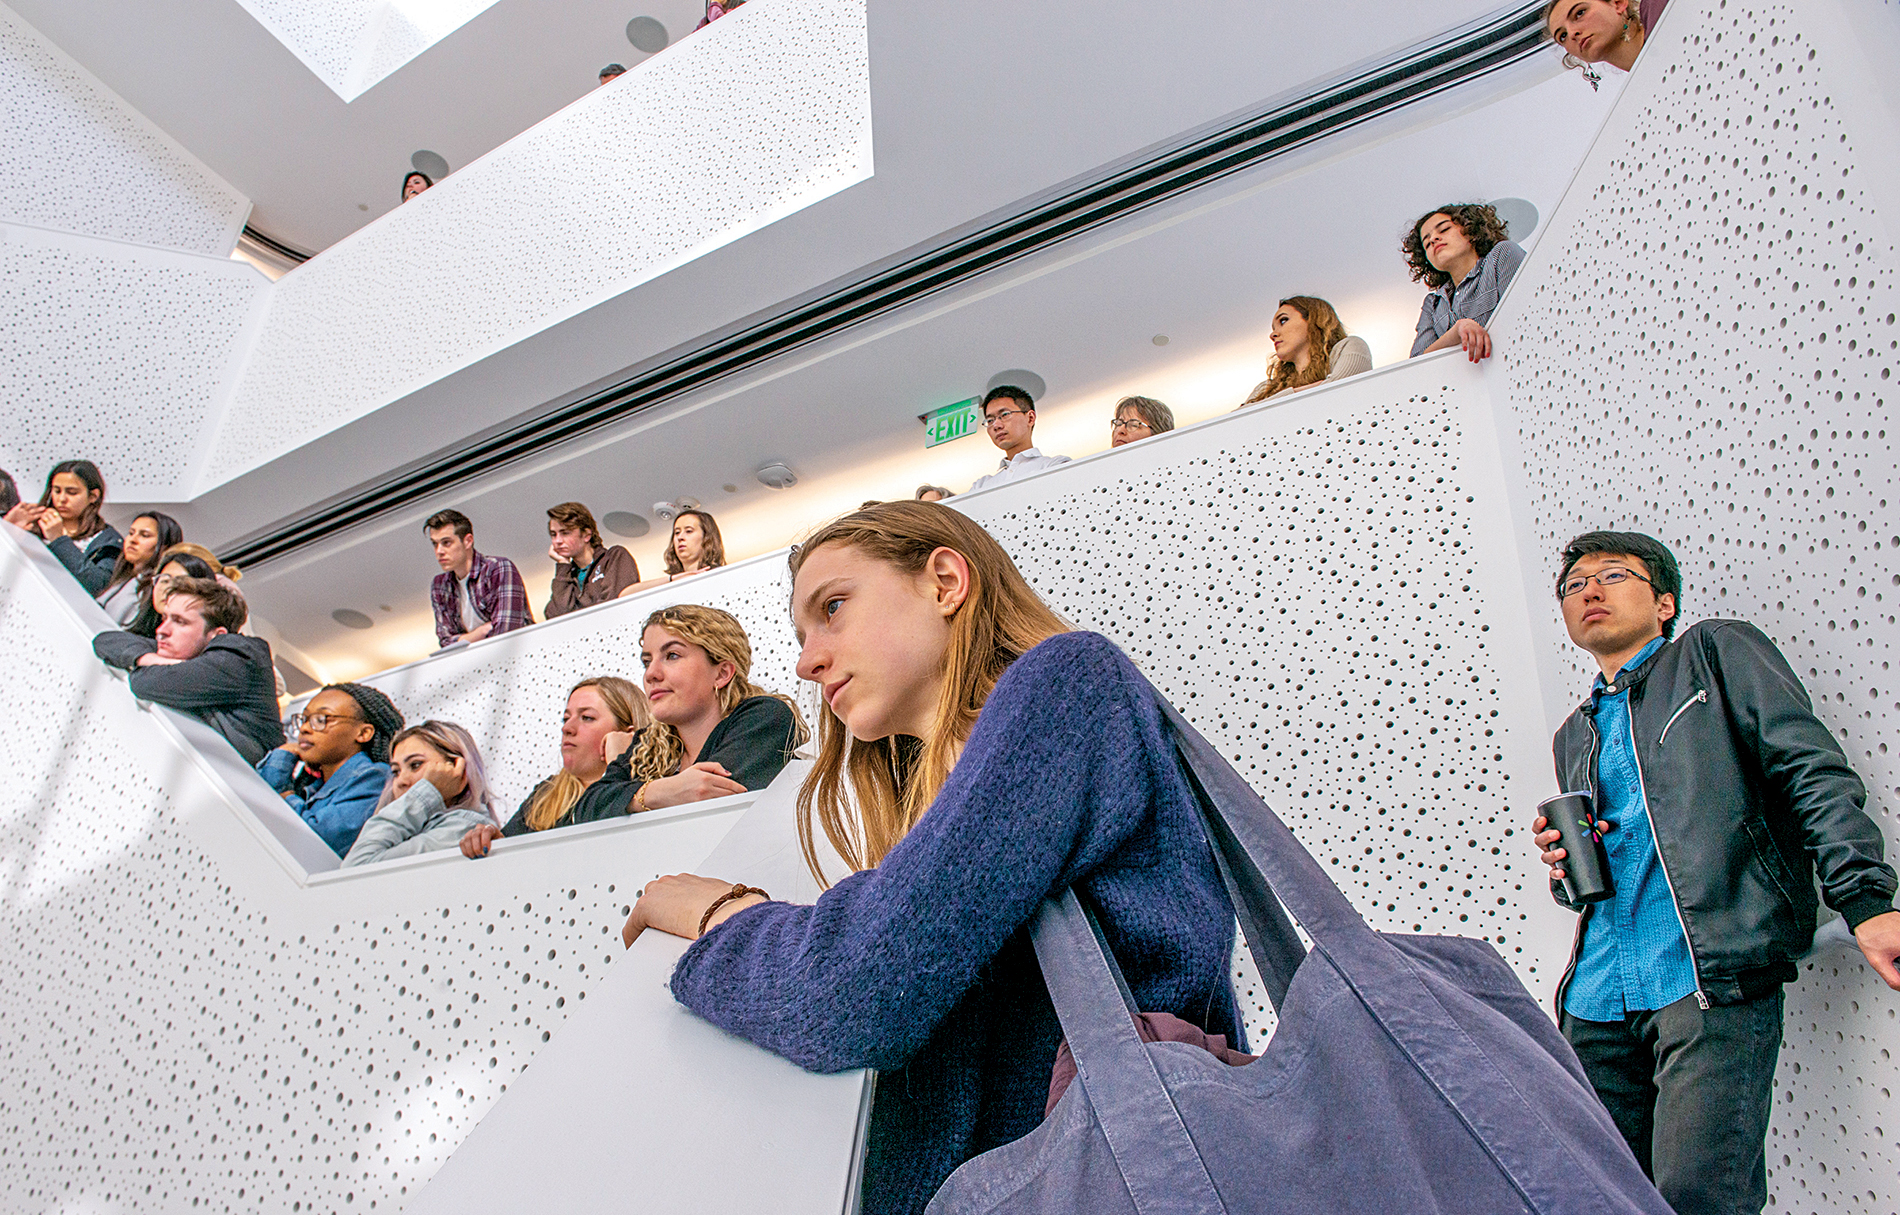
column 1587, row 29
column 1289, row 334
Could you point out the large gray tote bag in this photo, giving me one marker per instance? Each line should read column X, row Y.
column 1406, row 1074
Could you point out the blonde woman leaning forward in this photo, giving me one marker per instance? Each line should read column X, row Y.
column 437, row 792
column 714, row 732
column 1310, row 346
column 598, row 709
column 975, row 757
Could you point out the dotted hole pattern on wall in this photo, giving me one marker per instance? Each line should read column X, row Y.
column 169, row 1045
column 100, row 331
column 736, row 126
column 75, row 158
column 1712, row 361
column 1321, row 619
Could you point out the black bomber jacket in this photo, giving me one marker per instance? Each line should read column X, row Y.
column 1749, row 798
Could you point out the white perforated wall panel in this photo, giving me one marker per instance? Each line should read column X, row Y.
column 1326, row 590
column 100, row 332
column 749, row 120
column 74, row 157
column 188, row 1027
column 1703, row 348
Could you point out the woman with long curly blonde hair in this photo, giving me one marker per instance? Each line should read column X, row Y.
column 714, row 731
column 975, row 757
column 1310, row 346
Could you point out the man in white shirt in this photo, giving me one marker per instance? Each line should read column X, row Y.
column 1009, row 414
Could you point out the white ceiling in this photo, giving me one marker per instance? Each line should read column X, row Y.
column 1205, row 273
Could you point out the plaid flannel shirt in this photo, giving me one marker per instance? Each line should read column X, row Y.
column 495, row 586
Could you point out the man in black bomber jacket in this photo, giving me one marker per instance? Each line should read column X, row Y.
column 1721, row 798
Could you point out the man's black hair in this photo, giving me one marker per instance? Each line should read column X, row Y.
column 1013, row 393
column 1665, row 577
column 449, row 518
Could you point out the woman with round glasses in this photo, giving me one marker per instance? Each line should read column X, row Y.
column 1137, row 418
column 333, row 769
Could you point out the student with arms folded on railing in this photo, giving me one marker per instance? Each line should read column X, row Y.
column 437, row 793
column 1463, row 253
column 332, row 773
column 586, row 571
column 600, row 709
column 68, row 521
column 975, row 757
column 714, row 732
column 201, row 665
column 129, row 588
column 474, row 596
column 1310, row 346
column 694, row 547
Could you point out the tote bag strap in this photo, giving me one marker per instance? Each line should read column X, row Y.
column 1266, row 860
column 1158, row 1160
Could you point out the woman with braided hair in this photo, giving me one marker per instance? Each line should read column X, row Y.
column 333, row 769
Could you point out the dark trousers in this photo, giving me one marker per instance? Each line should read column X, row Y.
column 1691, row 1090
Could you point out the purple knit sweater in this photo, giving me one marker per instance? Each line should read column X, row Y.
column 922, row 968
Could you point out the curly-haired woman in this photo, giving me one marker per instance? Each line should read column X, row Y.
column 1467, row 258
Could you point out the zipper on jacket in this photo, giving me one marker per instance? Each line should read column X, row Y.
column 1662, row 861
column 1700, row 698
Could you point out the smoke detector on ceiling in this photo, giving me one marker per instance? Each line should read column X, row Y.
column 777, row 476
column 666, row 512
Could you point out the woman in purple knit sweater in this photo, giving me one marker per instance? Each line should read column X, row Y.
column 975, row 758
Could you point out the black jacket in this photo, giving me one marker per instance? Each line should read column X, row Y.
column 229, row 686
column 92, row 564
column 754, row 742
column 1749, row 796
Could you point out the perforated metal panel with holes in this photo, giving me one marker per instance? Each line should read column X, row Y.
column 744, row 123
column 1705, row 351
column 75, row 158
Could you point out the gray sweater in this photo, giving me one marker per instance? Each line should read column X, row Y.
column 414, row 823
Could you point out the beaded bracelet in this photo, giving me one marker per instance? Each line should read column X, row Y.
column 737, row 892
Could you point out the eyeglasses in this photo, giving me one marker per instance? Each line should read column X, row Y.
column 1609, row 577
column 1128, row 424
column 1002, row 415
column 318, row 722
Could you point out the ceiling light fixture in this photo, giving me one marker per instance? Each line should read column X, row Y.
column 777, row 476
column 350, row 618
column 1028, row 381
column 1519, row 216
column 431, row 163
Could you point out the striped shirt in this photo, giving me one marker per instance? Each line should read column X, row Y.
column 1474, row 299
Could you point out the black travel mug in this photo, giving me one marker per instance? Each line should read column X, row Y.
column 1586, row 865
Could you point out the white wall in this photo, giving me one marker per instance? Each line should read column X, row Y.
column 74, row 157
column 1703, row 348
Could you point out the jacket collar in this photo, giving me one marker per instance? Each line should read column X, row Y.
column 1626, row 678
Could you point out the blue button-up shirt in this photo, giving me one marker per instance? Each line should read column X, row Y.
column 1635, row 957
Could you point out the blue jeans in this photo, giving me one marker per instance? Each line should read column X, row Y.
column 1691, row 1090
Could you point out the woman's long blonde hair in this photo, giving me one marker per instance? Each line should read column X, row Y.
column 559, row 792
column 1324, row 330
column 892, row 781
column 722, row 638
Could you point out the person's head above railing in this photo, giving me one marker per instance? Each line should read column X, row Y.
column 1589, row 32
column 696, row 544
column 1310, row 346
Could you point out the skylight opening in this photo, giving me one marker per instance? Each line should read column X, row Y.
column 352, row 44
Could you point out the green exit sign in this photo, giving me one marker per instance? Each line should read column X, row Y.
column 952, row 422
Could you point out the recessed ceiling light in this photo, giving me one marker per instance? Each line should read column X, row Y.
column 362, row 206
column 625, row 523
column 731, row 489
column 1160, row 339
column 1028, row 381
column 350, row 618
column 646, row 34
column 777, row 476
column 431, row 163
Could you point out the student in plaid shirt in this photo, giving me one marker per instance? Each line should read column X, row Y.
column 474, row 596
